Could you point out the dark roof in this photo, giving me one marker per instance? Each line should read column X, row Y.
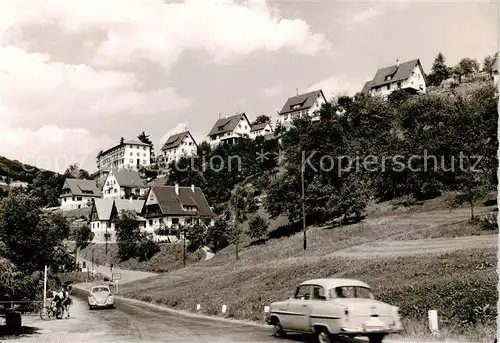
column 128, row 178
column 77, row 188
column 129, row 205
column 305, row 101
column 366, row 87
column 257, row 127
column 228, row 124
column 175, row 140
column 125, row 142
column 171, row 204
column 400, row 73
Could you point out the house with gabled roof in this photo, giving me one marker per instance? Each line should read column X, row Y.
column 123, row 184
column 409, row 76
column 261, row 129
column 77, row 193
column 177, row 146
column 167, row 207
column 228, row 129
column 104, row 214
column 301, row 105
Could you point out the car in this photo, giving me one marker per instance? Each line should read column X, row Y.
column 100, row 297
column 334, row 307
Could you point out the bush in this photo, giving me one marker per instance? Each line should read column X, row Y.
column 489, row 221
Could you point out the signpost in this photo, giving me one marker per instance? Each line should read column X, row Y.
column 84, row 270
column 116, row 277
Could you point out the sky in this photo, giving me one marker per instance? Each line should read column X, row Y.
column 77, row 75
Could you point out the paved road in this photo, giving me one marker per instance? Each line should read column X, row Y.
column 133, row 322
column 127, row 275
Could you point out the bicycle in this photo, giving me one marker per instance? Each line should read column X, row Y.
column 50, row 311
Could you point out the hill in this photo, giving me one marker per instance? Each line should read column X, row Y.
column 15, row 170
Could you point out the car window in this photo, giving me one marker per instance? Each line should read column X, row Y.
column 100, row 289
column 318, row 293
column 351, row 292
column 303, row 292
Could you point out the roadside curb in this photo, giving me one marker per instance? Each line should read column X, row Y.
column 184, row 313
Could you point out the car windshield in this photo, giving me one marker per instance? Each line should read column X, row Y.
column 351, row 292
column 100, row 289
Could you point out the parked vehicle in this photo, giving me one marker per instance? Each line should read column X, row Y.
column 335, row 307
column 100, row 296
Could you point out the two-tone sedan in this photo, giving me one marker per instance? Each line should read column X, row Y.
column 335, row 307
column 100, row 297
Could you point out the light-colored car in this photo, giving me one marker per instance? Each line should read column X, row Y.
column 100, row 296
column 334, row 307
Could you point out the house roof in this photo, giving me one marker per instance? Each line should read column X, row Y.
column 103, row 208
column 128, row 205
column 305, row 101
column 366, row 87
column 125, row 142
column 175, row 140
column 78, row 186
column 228, row 124
column 128, row 178
column 171, row 204
column 400, row 73
column 258, row 127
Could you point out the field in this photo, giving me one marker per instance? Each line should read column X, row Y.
column 456, row 277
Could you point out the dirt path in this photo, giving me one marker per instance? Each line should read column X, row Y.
column 391, row 248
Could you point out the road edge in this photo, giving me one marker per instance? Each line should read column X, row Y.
column 183, row 312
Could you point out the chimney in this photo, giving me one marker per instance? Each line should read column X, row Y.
column 192, row 188
column 297, row 91
column 177, row 188
column 397, row 62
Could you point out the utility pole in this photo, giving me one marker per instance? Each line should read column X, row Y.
column 302, row 167
column 45, row 286
column 184, row 250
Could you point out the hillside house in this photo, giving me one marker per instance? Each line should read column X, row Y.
column 263, row 129
column 494, row 72
column 123, row 183
column 105, row 213
column 409, row 76
column 167, row 207
column 307, row 104
column 78, row 193
column 129, row 154
column 228, row 129
column 177, row 146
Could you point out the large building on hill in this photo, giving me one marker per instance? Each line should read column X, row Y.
column 307, row 104
column 123, row 184
column 229, row 129
column 409, row 76
column 177, row 146
column 128, row 154
column 168, row 207
column 78, row 193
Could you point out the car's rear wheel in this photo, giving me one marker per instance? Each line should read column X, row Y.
column 376, row 338
column 278, row 329
column 323, row 336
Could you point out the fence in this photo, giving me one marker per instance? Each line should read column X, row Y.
column 26, row 308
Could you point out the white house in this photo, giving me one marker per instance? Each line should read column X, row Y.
column 123, row 184
column 409, row 76
column 263, row 129
column 307, row 104
column 228, row 129
column 104, row 214
column 129, row 154
column 177, row 146
column 78, row 193
column 167, row 207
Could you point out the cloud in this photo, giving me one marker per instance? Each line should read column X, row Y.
column 161, row 32
column 336, row 85
column 36, row 89
column 362, row 16
column 273, row 91
column 52, row 147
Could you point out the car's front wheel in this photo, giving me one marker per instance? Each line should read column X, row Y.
column 278, row 329
column 323, row 336
column 376, row 338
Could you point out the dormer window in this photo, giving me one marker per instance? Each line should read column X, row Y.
column 388, row 77
column 294, row 107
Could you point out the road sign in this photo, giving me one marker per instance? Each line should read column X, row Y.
column 116, row 276
column 84, row 270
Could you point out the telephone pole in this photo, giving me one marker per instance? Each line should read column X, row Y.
column 302, row 167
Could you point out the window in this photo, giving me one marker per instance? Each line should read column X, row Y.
column 97, row 225
column 144, row 154
column 144, row 148
column 351, row 292
column 138, row 154
column 175, row 221
column 303, row 292
column 131, row 153
column 150, row 222
column 65, row 199
column 399, row 84
column 131, row 161
column 73, row 198
column 143, row 161
column 389, row 86
column 318, row 293
column 93, row 225
column 116, row 191
column 79, row 206
column 78, row 198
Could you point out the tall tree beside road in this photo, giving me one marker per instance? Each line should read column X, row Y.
column 257, row 227
column 131, row 241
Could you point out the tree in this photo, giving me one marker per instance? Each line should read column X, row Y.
column 46, row 188
column 466, row 67
column 489, row 64
column 128, row 235
column 195, row 235
column 217, row 235
column 439, row 71
column 122, row 140
column 75, row 172
column 261, row 119
column 240, row 205
column 144, row 138
column 83, row 236
column 257, row 227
